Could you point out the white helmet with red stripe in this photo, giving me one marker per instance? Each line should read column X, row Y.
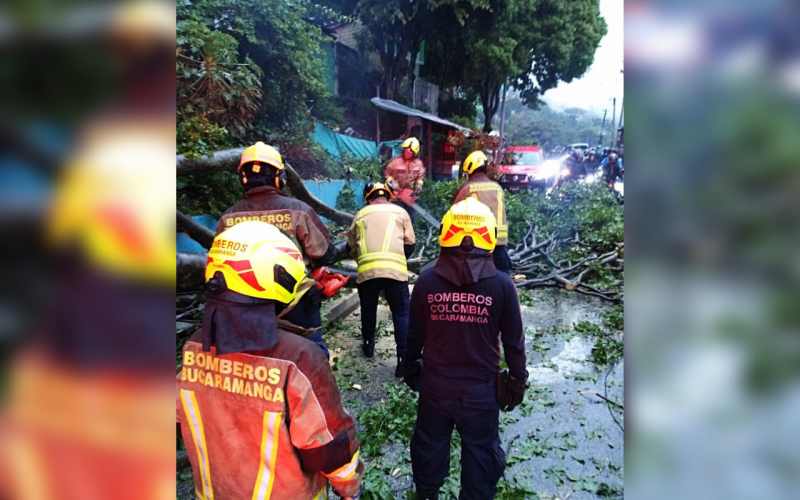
column 258, row 260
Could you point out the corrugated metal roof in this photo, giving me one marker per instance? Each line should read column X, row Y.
column 347, row 34
column 396, row 107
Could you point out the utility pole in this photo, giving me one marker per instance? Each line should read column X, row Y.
column 602, row 127
column 621, row 112
column 613, row 119
column 378, row 117
column 502, row 118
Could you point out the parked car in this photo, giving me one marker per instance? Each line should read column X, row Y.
column 524, row 167
column 582, row 146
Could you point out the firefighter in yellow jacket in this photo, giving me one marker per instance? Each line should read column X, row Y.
column 488, row 192
column 381, row 238
column 258, row 406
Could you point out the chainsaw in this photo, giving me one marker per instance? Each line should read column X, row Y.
column 328, row 283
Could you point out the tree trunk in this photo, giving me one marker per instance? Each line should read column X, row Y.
column 197, row 232
column 191, row 271
column 490, row 99
column 229, row 160
column 221, row 160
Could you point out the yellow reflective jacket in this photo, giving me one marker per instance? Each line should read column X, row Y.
column 377, row 238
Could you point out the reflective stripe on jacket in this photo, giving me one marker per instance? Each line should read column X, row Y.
column 266, row 425
column 377, row 238
column 490, row 194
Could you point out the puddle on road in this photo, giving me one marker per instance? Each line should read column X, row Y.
column 572, row 359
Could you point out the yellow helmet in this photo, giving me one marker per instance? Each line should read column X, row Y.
column 260, row 152
column 474, row 161
column 108, row 207
column 257, row 260
column 469, row 218
column 381, row 188
column 413, row 144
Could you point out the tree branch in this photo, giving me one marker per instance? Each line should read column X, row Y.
column 229, row 160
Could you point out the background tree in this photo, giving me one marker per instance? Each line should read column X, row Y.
column 397, row 29
column 532, row 45
column 546, row 127
column 217, row 96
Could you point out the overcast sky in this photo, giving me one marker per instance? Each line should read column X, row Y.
column 603, row 80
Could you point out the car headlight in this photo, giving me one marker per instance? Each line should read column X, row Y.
column 550, row 168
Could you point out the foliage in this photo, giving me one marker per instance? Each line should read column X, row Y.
column 590, row 210
column 525, row 298
column 208, row 193
column 368, row 169
column 608, row 346
column 197, row 136
column 217, row 94
column 389, row 422
column 346, row 200
column 470, row 122
column 268, row 47
column 436, row 196
column 397, row 28
column 459, row 107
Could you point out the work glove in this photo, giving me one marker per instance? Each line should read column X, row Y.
column 510, row 391
column 413, row 374
column 360, row 491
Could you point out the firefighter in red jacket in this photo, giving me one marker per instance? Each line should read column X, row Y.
column 262, row 174
column 461, row 311
column 406, row 173
column 258, row 406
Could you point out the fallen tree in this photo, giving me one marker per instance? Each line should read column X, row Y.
column 539, row 257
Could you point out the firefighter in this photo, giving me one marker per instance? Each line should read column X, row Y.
column 258, row 405
column 263, row 176
column 461, row 309
column 406, row 174
column 381, row 238
column 488, row 192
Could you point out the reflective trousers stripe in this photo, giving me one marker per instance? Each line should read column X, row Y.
column 269, row 453
column 346, row 471
column 192, row 411
column 322, row 495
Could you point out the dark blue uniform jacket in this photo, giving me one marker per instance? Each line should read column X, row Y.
column 460, row 312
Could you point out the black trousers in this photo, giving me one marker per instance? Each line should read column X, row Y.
column 501, row 259
column 307, row 314
column 411, row 213
column 474, row 412
column 398, row 299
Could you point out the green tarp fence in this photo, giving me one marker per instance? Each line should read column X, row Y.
column 335, row 143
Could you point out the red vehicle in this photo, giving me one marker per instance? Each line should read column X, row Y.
column 522, row 167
